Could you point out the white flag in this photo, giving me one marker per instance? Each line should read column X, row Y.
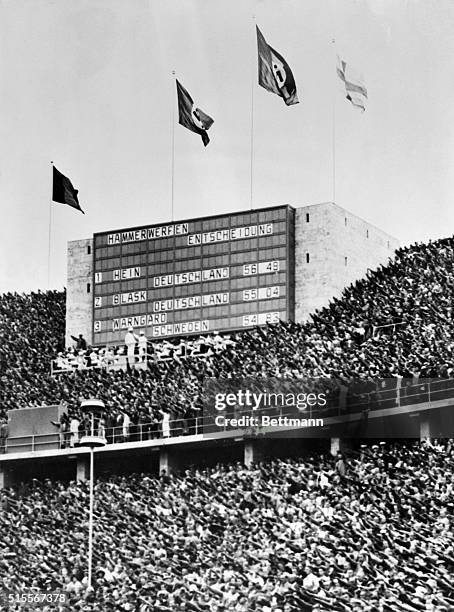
column 354, row 84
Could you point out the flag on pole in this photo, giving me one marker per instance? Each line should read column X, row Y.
column 63, row 190
column 274, row 72
column 192, row 117
column 354, row 85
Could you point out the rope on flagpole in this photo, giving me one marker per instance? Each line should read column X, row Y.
column 173, row 153
column 50, row 225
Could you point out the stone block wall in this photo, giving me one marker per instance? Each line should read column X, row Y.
column 79, row 293
column 333, row 248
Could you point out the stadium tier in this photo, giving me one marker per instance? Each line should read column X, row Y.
column 397, row 321
column 370, row 532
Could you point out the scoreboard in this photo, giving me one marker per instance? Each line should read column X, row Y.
column 219, row 273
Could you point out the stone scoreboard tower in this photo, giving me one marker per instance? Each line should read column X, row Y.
column 219, row 273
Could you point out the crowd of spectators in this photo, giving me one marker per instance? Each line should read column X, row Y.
column 413, row 295
column 32, row 329
column 371, row 531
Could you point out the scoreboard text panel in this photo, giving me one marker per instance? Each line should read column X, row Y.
column 220, row 273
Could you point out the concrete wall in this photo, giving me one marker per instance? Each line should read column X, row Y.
column 341, row 247
column 37, row 422
column 79, row 294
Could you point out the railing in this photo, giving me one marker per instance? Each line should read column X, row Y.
column 399, row 394
column 390, row 326
column 114, row 435
column 116, row 362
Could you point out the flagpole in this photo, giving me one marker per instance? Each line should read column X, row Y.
column 173, row 153
column 252, row 130
column 50, row 228
column 333, row 42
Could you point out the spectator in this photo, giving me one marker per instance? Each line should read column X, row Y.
column 142, row 344
column 94, row 358
column 61, row 363
column 65, row 430
column 125, row 424
column 108, row 358
column 3, row 434
column 165, row 424
column 130, row 343
column 81, row 361
column 340, row 465
column 311, row 581
column 81, row 343
column 74, row 431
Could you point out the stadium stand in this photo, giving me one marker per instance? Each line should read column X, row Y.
column 369, row 532
column 395, row 322
column 32, row 328
column 372, row 531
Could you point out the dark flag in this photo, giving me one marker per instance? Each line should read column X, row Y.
column 63, row 190
column 274, row 72
column 192, row 117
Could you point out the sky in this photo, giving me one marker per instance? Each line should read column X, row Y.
column 88, row 85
